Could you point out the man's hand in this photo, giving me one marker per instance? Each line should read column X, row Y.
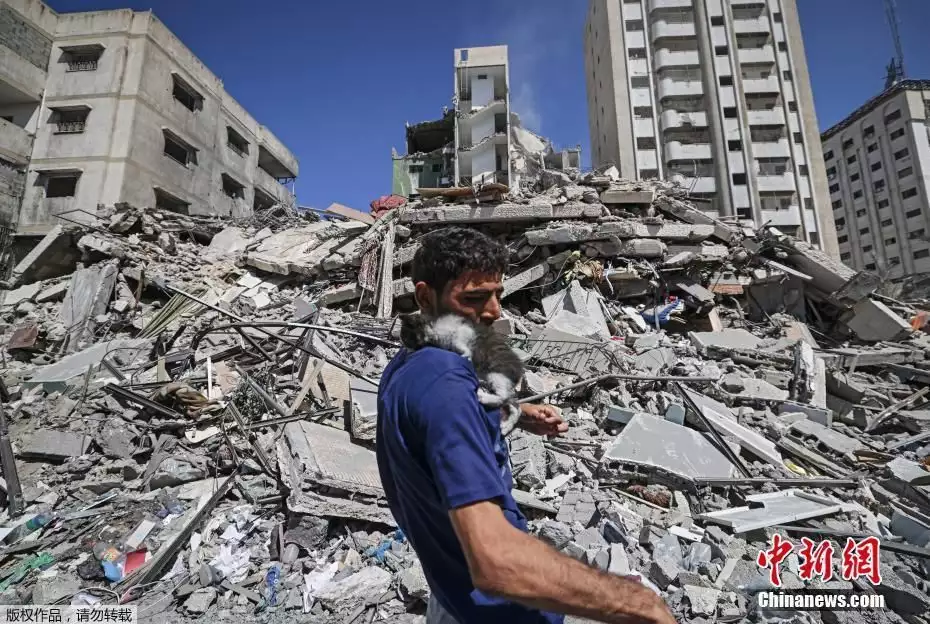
column 542, row 419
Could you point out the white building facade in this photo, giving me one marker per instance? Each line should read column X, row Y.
column 714, row 95
column 878, row 170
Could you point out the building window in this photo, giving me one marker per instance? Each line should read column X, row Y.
column 232, row 188
column 851, row 159
column 786, row 75
column 894, row 261
column 777, row 17
column 782, row 46
column 883, row 204
column 854, row 177
column 167, row 201
column 837, row 204
column 923, row 253
column 59, row 184
column 637, row 53
column 744, row 212
column 648, row 174
column 848, row 143
column 415, row 168
column 876, row 166
column 831, row 173
column 735, row 146
column 179, row 150
column 834, row 188
column 739, row 178
column 878, row 185
column 70, row 120
column 726, row 81
column 892, row 116
column 729, row 112
column 887, row 222
column 798, row 138
column 721, row 50
column 916, row 233
column 891, row 241
column 793, row 106
column 897, row 134
column 845, row 257
column 437, row 168
column 909, row 193
column 814, row 238
column 828, row 155
column 81, row 58
column 716, row 20
column 872, row 147
column 639, row 82
column 645, row 143
column 642, row 112
column 857, row 194
column 912, row 213
column 634, row 25
column 869, row 132
column 860, row 212
column 863, row 232
column 186, row 94
column 803, row 170
column 902, row 154
column 236, row 142
column 840, row 223
column 903, row 173
column 870, row 266
column 866, row 248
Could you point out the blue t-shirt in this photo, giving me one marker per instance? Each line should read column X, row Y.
column 439, row 449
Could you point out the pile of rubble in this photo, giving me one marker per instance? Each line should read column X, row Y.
column 189, row 405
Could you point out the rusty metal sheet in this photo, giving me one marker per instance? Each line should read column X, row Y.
column 23, row 337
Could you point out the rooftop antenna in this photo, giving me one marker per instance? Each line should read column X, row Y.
column 895, row 70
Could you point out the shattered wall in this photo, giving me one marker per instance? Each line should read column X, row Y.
column 12, row 183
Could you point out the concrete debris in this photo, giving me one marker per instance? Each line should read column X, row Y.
column 159, row 407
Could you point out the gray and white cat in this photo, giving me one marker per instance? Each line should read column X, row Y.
column 498, row 368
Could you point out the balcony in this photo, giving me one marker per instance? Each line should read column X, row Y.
column 669, row 28
column 771, row 149
column 676, row 150
column 15, row 143
column 669, row 4
column 761, row 85
column 775, row 183
column 676, row 119
column 271, row 186
column 702, row 184
column 765, row 54
column 767, row 117
column 676, row 58
column 669, row 87
column 750, row 25
column 24, row 79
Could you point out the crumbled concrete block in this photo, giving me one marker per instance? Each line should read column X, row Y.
column 577, row 507
column 619, row 562
column 873, row 321
column 590, row 538
column 484, row 213
column 413, row 583
column 528, row 460
column 345, row 594
column 725, row 339
column 556, row 533
column 55, row 292
column 703, row 600
column 675, row 413
column 664, row 571
column 621, row 196
column 524, row 279
column 12, row 298
column 630, row 248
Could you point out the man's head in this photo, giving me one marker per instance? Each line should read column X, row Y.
column 460, row 271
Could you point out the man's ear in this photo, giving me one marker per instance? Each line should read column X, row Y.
column 425, row 297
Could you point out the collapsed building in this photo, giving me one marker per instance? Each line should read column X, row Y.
column 196, row 397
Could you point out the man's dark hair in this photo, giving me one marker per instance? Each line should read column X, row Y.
column 446, row 254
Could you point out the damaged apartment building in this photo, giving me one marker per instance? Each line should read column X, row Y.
column 714, row 95
column 106, row 107
column 479, row 140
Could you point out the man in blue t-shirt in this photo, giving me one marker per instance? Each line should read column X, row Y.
column 446, row 472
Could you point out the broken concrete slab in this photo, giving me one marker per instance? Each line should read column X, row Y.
column 56, row 377
column 12, row 298
column 649, row 444
column 364, row 415
column 624, row 196
column 350, row 213
column 326, row 456
column 873, row 321
column 722, row 419
column 366, row 584
column 828, row 439
column 524, row 279
column 504, row 212
column 54, row 255
column 724, row 339
column 528, row 460
column 88, row 296
column 228, row 243
column 774, row 508
column 49, row 445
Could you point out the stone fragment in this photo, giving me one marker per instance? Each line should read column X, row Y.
column 703, row 600
column 199, row 601
column 413, row 583
column 366, row 584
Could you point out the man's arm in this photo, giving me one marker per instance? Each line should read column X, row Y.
column 506, row 562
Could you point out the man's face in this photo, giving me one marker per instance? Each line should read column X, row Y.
column 475, row 296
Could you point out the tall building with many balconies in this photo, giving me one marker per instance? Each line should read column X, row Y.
column 714, row 95
column 110, row 106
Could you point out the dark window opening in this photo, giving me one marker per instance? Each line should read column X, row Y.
column 744, row 212
column 887, row 222
column 902, row 154
column 803, row 170
column 729, row 112
column 857, row 194
column 178, row 150
column 721, row 50
column 828, row 155
column 232, row 188
column 739, row 178
column 883, row 204
column 869, row 132
column 81, row 58
column 870, row 266
column 236, row 142
column 798, row 138
column 645, row 143
column 637, row 53
column 716, row 20
column 638, row 82
column 903, row 173
column 634, row 25
column 642, row 112
column 167, row 201
column 777, row 17
column 787, row 75
column 834, row 188
column 851, row 159
column 842, row 239
column 909, row 193
column 735, row 146
column 854, row 177
column 793, row 106
column 186, row 94
column 61, row 185
column 437, row 168
column 415, row 169
column 892, row 116
column 897, row 134
column 70, row 120
column 876, row 166
column 837, row 204
column 726, row 81
column 782, row 46
column 871, row 148
column 848, row 143
column 923, row 253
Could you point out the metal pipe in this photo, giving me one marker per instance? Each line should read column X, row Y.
column 721, row 443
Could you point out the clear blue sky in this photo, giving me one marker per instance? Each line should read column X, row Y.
column 335, row 81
